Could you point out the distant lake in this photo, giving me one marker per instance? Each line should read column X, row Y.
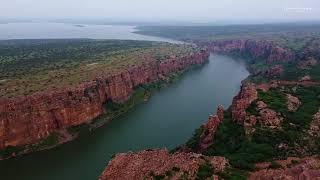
column 44, row 30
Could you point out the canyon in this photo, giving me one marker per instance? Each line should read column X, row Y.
column 29, row 119
column 307, row 168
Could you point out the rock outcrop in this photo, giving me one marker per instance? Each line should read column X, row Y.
column 159, row 163
column 270, row 118
column 274, row 71
column 28, row 119
column 293, row 103
column 307, row 64
column 242, row 101
column 256, row 49
column 210, row 128
column 306, row 169
column 314, row 129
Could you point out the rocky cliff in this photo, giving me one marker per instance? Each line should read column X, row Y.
column 255, row 49
column 28, row 119
column 210, row 128
column 248, row 93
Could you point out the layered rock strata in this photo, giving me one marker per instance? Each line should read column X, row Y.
column 210, row 128
column 28, row 119
column 248, row 93
column 256, row 49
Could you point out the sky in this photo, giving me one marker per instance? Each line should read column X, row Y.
column 196, row 10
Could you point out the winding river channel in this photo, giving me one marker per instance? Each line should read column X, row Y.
column 168, row 119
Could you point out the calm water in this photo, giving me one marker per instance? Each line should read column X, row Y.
column 167, row 120
column 63, row 31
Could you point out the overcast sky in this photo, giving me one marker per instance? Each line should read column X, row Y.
column 164, row 9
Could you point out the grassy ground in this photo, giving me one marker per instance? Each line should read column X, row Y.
column 35, row 65
column 278, row 32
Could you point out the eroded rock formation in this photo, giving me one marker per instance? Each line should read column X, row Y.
column 256, row 49
column 314, row 129
column 26, row 120
column 293, row 103
column 210, row 128
column 242, row 101
column 159, row 163
column 306, row 169
column 270, row 118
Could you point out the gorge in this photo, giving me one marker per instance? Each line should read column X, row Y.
column 266, row 132
column 194, row 96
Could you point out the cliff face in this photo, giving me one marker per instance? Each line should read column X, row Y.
column 210, row 128
column 256, row 49
column 28, row 119
column 242, row 101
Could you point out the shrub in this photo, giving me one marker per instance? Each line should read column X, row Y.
column 205, row 171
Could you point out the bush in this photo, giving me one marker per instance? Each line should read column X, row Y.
column 275, row 165
column 193, row 142
column 51, row 140
column 205, row 171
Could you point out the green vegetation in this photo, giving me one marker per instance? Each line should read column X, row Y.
column 234, row 174
column 193, row 142
column 205, row 171
column 51, row 140
column 275, row 165
column 243, row 152
column 275, row 99
column 263, row 144
column 8, row 151
column 38, row 65
column 264, row 31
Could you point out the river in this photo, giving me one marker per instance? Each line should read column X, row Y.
column 168, row 119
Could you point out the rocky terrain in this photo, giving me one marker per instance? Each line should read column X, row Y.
column 34, row 118
column 273, row 117
column 161, row 164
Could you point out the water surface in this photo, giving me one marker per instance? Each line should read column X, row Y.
column 46, row 30
column 168, row 119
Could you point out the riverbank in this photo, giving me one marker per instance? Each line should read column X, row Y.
column 156, row 124
column 53, row 114
column 262, row 127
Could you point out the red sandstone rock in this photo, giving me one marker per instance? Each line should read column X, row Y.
column 261, row 105
column 315, row 125
column 307, row 169
column 293, row 103
column 308, row 63
column 242, row 101
column 27, row 120
column 270, row 118
column 209, row 129
column 255, row 48
column 305, row 78
column 275, row 71
column 220, row 112
column 145, row 164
